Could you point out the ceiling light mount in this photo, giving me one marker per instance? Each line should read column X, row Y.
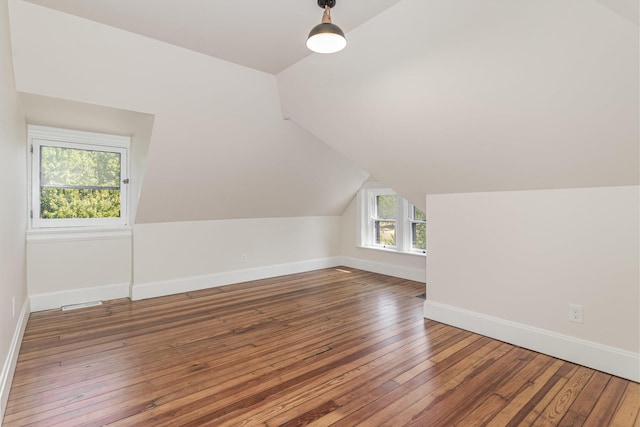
column 326, row 37
column 325, row 3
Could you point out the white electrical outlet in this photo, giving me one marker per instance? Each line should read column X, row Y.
column 243, row 258
column 575, row 313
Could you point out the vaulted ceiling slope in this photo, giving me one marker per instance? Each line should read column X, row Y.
column 219, row 147
column 432, row 96
column 265, row 35
column 466, row 96
column 628, row 9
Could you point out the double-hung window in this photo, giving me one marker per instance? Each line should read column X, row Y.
column 390, row 222
column 384, row 219
column 78, row 178
column 418, row 228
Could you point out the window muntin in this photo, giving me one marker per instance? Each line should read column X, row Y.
column 78, row 178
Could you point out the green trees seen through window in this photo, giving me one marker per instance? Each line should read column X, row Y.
column 386, row 211
column 419, row 230
column 77, row 183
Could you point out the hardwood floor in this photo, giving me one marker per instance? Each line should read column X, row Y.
column 337, row 347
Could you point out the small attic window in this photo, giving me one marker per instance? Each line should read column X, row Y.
column 390, row 222
column 78, row 179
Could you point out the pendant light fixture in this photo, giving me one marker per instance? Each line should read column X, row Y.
column 326, row 37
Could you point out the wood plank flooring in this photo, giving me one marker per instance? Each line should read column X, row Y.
column 338, row 347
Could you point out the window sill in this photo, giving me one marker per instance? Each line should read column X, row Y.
column 394, row 251
column 74, row 234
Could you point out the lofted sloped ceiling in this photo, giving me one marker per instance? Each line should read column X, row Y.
column 628, row 9
column 467, row 96
column 430, row 96
column 265, row 35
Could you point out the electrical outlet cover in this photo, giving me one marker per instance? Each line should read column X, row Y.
column 575, row 313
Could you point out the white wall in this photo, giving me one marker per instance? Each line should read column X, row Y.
column 182, row 256
column 13, row 207
column 507, row 264
column 78, row 267
column 73, row 266
column 407, row 266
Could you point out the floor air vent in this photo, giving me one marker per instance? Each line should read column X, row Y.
column 81, row 305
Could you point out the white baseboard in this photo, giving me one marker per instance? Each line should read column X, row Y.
column 50, row 300
column 9, row 366
column 194, row 283
column 615, row 361
column 408, row 273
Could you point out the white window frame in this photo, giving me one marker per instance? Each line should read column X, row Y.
column 372, row 207
column 410, row 220
column 366, row 200
column 54, row 137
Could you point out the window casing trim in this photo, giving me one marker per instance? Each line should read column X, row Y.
column 74, row 234
column 47, row 136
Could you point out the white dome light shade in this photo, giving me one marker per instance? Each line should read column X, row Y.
column 326, row 38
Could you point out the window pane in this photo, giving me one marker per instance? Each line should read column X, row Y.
column 386, row 207
column 418, row 214
column 77, row 183
column 419, row 235
column 385, row 233
column 79, row 203
column 68, row 167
